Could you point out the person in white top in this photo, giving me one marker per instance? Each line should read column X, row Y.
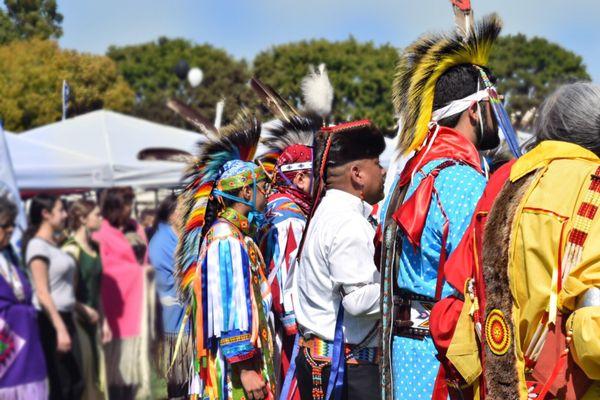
column 337, row 280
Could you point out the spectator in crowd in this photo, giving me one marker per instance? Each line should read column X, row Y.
column 162, row 256
column 53, row 274
column 128, row 296
column 92, row 327
column 23, row 370
column 147, row 220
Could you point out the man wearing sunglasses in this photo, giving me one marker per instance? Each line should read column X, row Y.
column 445, row 100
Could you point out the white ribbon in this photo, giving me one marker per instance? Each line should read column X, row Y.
column 458, row 106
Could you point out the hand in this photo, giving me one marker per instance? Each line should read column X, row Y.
column 106, row 332
column 92, row 315
column 63, row 341
column 253, row 384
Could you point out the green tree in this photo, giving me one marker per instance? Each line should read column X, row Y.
column 528, row 69
column 26, row 19
column 31, row 82
column 361, row 75
column 149, row 69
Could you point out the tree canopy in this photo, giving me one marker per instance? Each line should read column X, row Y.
column 31, row 82
column 528, row 69
column 361, row 75
column 27, row 19
column 149, row 69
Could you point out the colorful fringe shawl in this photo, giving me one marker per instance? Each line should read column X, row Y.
column 230, row 305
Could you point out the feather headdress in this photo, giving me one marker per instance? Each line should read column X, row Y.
column 298, row 130
column 420, row 66
column 237, row 141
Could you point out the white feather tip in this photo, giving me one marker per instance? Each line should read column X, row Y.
column 317, row 91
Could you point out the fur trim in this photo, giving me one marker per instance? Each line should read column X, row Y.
column 501, row 375
column 420, row 66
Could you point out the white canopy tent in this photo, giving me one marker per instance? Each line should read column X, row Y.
column 41, row 166
column 104, row 149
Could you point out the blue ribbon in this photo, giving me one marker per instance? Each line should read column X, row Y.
column 509, row 133
column 291, row 372
column 335, row 387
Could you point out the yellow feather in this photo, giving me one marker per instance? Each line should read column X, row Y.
column 421, row 66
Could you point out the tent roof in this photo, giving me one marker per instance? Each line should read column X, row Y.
column 40, row 166
column 116, row 141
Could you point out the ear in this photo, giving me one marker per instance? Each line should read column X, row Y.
column 473, row 114
column 356, row 173
column 246, row 193
column 46, row 214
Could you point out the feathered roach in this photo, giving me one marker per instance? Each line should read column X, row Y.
column 420, row 66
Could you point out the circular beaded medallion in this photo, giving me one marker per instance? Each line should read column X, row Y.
column 497, row 333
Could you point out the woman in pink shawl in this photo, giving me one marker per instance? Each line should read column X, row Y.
column 127, row 295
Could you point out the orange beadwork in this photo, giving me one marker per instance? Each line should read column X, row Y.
column 497, row 333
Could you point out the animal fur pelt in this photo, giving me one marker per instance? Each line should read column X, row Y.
column 420, row 66
column 501, row 373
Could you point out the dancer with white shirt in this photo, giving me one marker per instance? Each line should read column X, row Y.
column 337, row 307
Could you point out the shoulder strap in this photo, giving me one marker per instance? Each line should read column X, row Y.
column 72, row 248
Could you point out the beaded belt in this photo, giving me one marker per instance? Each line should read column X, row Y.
column 322, row 350
column 412, row 315
column 318, row 353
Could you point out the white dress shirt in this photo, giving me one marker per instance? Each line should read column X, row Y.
column 338, row 254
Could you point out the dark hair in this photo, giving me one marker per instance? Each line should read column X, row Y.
column 213, row 208
column 147, row 212
column 113, row 201
column 454, row 84
column 163, row 213
column 8, row 210
column 79, row 209
column 40, row 203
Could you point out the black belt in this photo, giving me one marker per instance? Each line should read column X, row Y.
column 412, row 315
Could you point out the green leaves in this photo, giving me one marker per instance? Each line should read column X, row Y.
column 530, row 69
column 26, row 19
column 149, row 69
column 31, row 82
column 361, row 74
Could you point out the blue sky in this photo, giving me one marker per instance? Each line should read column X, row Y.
column 244, row 28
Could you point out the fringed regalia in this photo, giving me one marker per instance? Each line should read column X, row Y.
column 289, row 141
column 526, row 262
column 220, row 268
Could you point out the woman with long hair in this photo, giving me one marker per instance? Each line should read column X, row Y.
column 92, row 328
column 53, row 274
column 23, row 369
column 128, row 296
